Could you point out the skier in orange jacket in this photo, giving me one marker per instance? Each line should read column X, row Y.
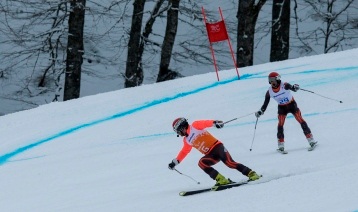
column 214, row 151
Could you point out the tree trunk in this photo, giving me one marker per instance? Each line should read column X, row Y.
column 280, row 33
column 168, row 43
column 148, row 28
column 247, row 16
column 74, row 50
column 134, row 70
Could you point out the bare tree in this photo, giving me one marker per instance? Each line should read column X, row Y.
column 34, row 36
column 75, row 50
column 134, row 71
column 280, row 33
column 337, row 25
column 155, row 13
column 247, row 15
column 168, row 43
column 32, row 44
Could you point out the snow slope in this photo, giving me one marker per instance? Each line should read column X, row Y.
column 110, row 152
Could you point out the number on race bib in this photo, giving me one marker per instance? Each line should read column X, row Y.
column 205, row 149
column 284, row 101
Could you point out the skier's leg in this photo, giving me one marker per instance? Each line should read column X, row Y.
column 282, row 111
column 226, row 158
column 205, row 164
column 306, row 130
column 280, row 131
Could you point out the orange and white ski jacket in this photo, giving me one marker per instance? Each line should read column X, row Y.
column 198, row 138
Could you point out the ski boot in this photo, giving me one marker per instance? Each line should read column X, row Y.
column 221, row 180
column 281, row 148
column 253, row 176
column 311, row 142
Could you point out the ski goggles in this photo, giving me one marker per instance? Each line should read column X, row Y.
column 274, row 79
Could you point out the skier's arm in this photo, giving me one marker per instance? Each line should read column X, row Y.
column 266, row 102
column 294, row 87
column 202, row 124
column 184, row 151
column 288, row 86
column 181, row 155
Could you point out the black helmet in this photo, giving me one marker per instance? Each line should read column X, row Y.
column 180, row 125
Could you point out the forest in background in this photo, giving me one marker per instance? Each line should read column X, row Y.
column 34, row 42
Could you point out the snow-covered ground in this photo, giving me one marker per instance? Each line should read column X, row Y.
column 110, row 152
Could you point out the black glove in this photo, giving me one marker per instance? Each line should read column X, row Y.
column 219, row 124
column 259, row 113
column 295, row 87
column 172, row 165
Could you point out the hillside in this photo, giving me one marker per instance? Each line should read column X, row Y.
column 110, row 152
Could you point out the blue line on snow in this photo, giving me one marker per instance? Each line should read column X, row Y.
column 4, row 158
column 246, row 123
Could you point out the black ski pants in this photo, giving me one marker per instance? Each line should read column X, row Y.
column 220, row 153
column 283, row 110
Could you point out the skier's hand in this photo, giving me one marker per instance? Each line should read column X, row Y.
column 295, row 87
column 259, row 113
column 218, row 124
column 172, row 165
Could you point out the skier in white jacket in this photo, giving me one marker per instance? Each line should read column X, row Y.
column 281, row 92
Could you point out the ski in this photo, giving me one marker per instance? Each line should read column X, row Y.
column 236, row 184
column 231, row 185
column 187, row 193
column 214, row 188
column 282, row 152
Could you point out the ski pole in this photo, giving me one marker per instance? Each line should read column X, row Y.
column 321, row 95
column 237, row 118
column 252, row 143
column 187, row 176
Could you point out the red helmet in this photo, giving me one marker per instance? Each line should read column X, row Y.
column 180, row 125
column 274, row 77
